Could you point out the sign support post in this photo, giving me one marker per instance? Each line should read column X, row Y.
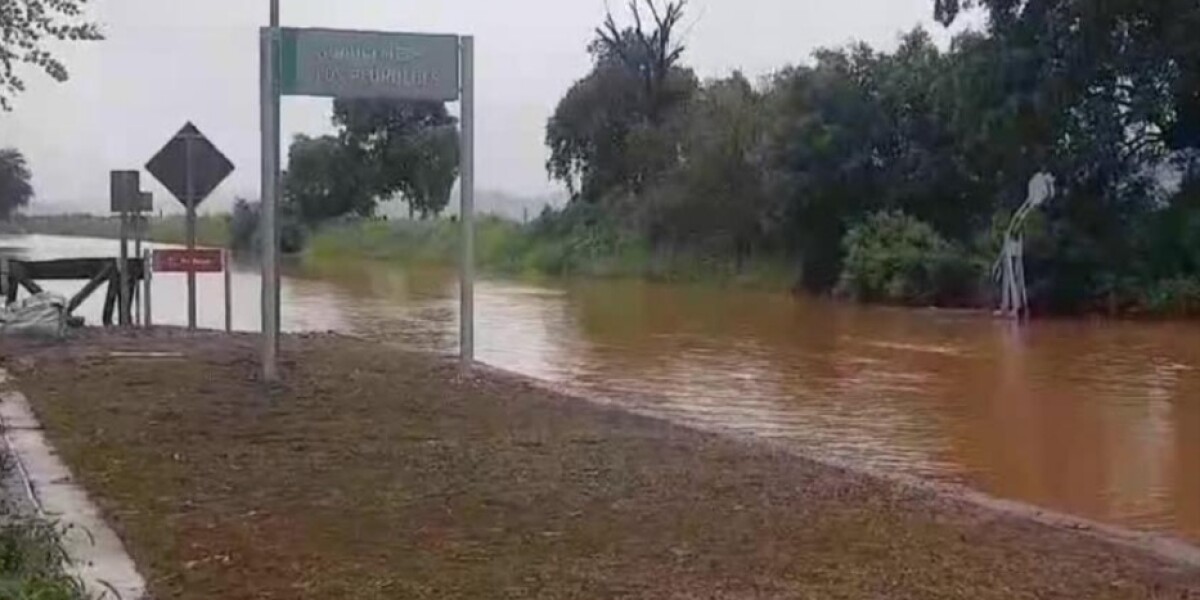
column 125, row 195
column 190, row 202
column 467, row 190
column 190, row 167
column 277, row 152
column 123, row 299
column 269, row 101
column 334, row 63
column 228, row 291
column 135, row 298
column 141, row 225
column 147, row 314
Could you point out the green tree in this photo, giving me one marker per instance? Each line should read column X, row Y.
column 716, row 196
column 618, row 129
column 244, row 226
column 16, row 190
column 892, row 257
column 1133, row 66
column 406, row 148
column 25, row 27
column 435, row 166
column 1104, row 94
column 938, row 145
column 324, row 181
column 834, row 154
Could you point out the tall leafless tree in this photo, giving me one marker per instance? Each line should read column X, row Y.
column 651, row 55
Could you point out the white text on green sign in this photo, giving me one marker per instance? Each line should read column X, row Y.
column 354, row 64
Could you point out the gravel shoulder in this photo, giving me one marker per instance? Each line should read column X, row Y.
column 377, row 473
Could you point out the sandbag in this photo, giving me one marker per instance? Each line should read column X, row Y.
column 41, row 315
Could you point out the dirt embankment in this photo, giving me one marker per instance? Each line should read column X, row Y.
column 376, row 473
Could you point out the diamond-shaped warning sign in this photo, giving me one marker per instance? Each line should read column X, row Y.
column 190, row 166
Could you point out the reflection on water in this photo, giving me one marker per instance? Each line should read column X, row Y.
column 1096, row 418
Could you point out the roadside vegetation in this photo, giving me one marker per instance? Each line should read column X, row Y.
column 31, row 562
column 887, row 175
column 879, row 176
column 210, row 230
column 31, row 556
column 550, row 246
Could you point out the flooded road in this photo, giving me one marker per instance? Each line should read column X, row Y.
column 1095, row 418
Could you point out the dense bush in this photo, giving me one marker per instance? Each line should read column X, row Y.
column 892, row 257
column 1100, row 94
column 244, row 235
column 243, row 226
column 1176, row 297
column 31, row 554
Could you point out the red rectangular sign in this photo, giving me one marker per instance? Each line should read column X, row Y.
column 189, row 261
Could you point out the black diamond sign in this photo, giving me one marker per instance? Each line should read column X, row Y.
column 190, row 151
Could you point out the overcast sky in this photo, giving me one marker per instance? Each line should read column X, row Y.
column 169, row 61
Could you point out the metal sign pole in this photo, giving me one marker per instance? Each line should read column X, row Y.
column 269, row 105
column 276, row 152
column 467, row 191
column 147, row 313
column 228, row 264
column 123, row 271
column 191, row 230
column 137, row 251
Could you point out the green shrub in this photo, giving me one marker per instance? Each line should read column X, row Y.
column 31, row 554
column 571, row 242
column 1173, row 297
column 243, row 226
column 892, row 257
column 31, row 562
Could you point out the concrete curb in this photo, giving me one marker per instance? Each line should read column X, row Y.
column 96, row 556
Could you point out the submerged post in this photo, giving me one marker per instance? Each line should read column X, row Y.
column 147, row 276
column 228, row 264
column 123, row 299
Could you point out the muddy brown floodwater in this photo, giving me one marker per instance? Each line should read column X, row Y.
column 1096, row 418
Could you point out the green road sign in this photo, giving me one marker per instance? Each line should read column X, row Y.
column 362, row 64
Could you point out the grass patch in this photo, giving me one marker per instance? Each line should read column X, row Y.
column 31, row 563
column 376, row 474
column 211, row 230
column 507, row 247
column 31, row 557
